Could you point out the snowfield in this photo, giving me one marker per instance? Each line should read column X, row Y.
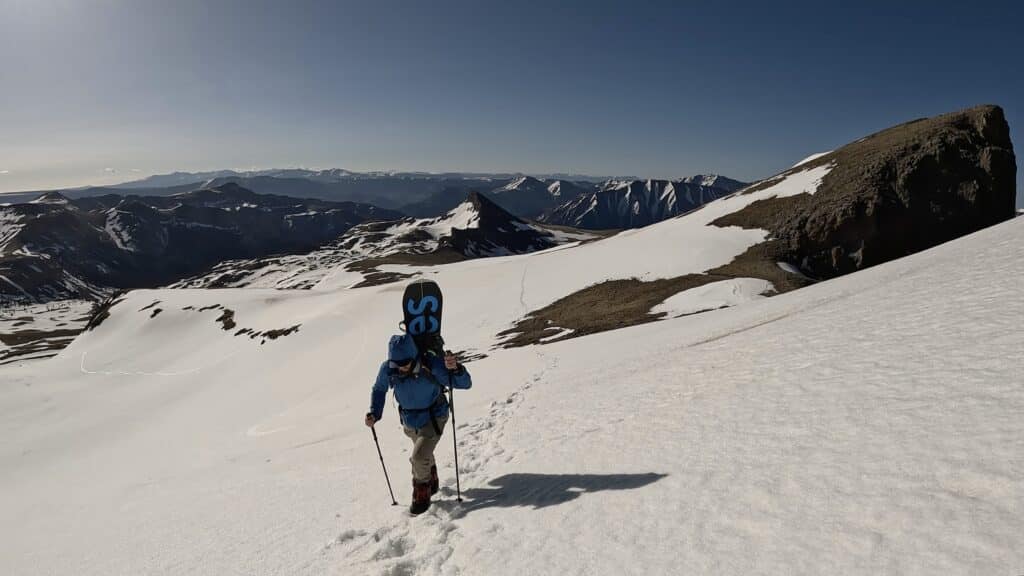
column 714, row 295
column 869, row 424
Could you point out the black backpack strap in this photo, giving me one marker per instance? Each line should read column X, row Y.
column 437, row 402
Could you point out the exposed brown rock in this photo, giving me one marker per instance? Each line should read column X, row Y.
column 888, row 195
column 605, row 306
column 896, row 192
column 227, row 319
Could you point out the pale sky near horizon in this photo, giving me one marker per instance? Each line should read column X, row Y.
column 104, row 91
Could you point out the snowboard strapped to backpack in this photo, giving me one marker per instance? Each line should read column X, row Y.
column 421, row 311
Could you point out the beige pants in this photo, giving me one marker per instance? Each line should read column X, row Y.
column 424, row 441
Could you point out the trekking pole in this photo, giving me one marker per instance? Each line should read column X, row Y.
column 455, row 442
column 390, row 491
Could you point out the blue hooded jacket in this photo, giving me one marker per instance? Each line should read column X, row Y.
column 417, row 392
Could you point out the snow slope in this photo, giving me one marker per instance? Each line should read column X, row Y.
column 714, row 295
column 869, row 424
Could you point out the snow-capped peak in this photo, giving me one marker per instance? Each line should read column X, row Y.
column 714, row 181
column 463, row 216
column 51, row 198
column 521, row 183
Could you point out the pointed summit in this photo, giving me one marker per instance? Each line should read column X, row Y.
column 489, row 210
column 494, row 231
column 51, row 198
column 529, row 197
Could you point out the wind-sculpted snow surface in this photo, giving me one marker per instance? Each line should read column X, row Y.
column 869, row 424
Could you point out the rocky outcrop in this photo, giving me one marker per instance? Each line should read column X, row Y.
column 882, row 197
column 891, row 194
column 498, row 233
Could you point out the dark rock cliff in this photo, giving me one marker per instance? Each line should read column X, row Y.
column 891, row 194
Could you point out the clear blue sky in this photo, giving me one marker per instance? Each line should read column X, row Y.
column 103, row 91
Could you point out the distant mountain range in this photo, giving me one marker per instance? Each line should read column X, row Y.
column 385, row 189
column 475, row 228
column 881, row 197
column 614, row 204
column 530, row 197
column 415, row 193
column 82, row 243
column 636, row 203
column 338, row 174
column 55, row 247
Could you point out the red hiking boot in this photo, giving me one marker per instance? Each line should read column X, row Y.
column 420, row 498
column 435, row 484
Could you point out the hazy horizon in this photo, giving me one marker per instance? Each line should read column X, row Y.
column 98, row 92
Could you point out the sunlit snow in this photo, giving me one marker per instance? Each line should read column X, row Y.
column 868, row 424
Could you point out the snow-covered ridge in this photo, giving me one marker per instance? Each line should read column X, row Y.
column 913, row 458
column 812, row 157
column 519, row 183
column 637, row 203
column 714, row 181
column 462, row 217
column 51, row 198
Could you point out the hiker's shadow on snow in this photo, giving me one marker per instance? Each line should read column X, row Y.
column 543, row 490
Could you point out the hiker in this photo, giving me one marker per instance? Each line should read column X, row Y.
column 419, row 382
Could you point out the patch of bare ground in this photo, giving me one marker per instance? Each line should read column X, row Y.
column 606, row 306
column 23, row 337
column 36, row 344
column 268, row 334
column 150, row 305
column 101, row 311
column 620, row 303
column 31, row 343
column 227, row 319
column 374, row 277
column 279, row 332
